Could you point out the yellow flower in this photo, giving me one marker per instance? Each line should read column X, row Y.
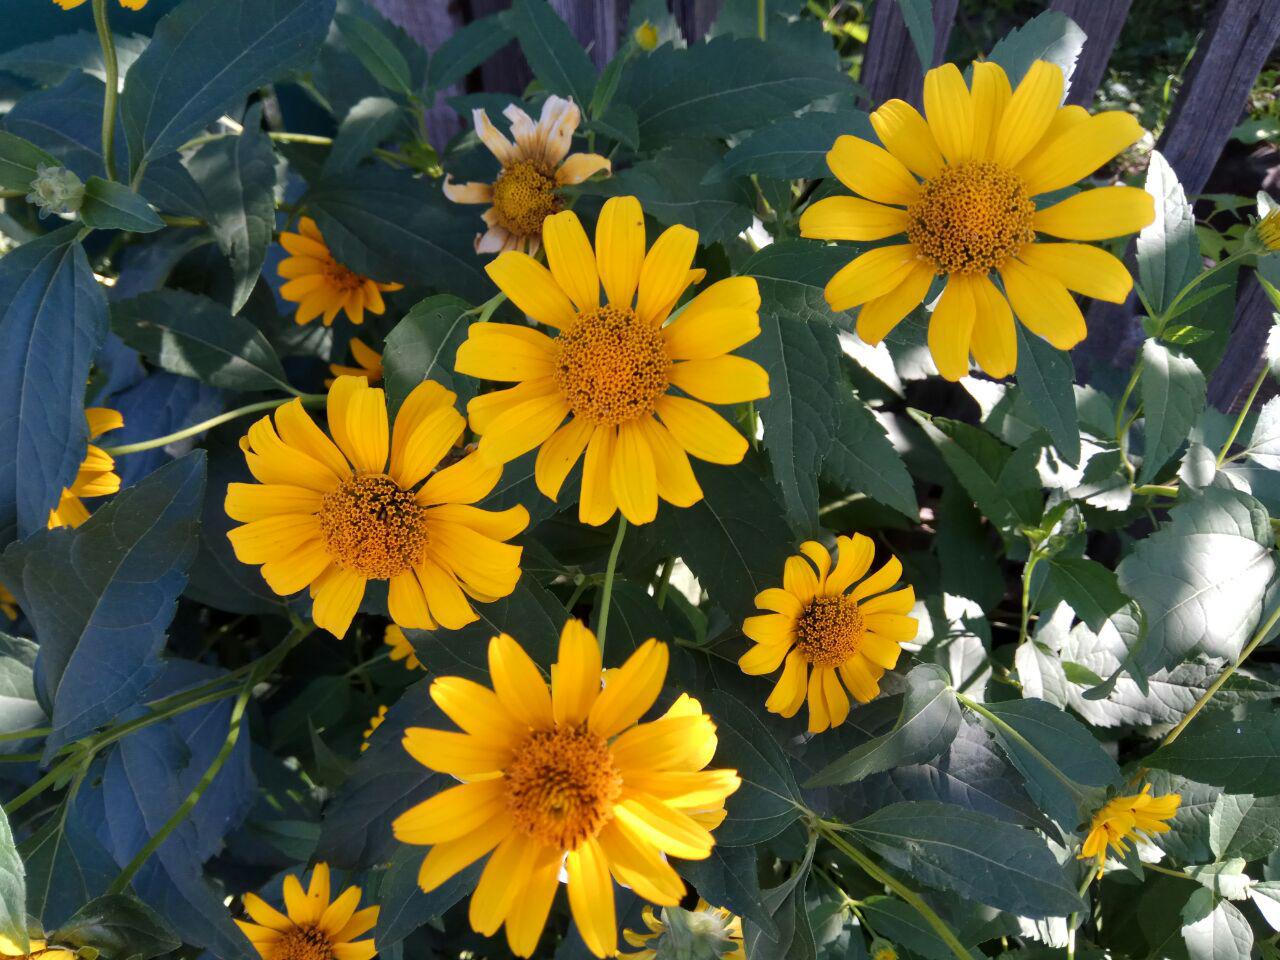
column 39, row 949
column 883, row 950
column 646, row 36
column 610, row 368
column 96, row 477
column 714, row 928
column 127, row 4
column 1269, row 230
column 532, row 168
column 827, row 633
column 374, row 723
column 1127, row 818
column 319, row 284
column 333, row 515
column 401, row 648
column 565, row 779
column 980, row 159
column 369, row 360
column 8, row 603
column 314, row 929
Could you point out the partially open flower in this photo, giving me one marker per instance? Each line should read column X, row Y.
column 1269, row 230
column 374, row 723
column 320, row 285
column 55, row 190
column 96, row 477
column 703, row 933
column 1123, row 819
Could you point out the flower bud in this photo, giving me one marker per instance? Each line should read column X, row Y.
column 55, row 190
column 646, row 36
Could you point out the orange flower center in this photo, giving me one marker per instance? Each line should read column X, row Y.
column 341, row 278
column 612, row 366
column 373, row 527
column 971, row 218
column 303, row 943
column 562, row 786
column 523, row 196
column 830, row 631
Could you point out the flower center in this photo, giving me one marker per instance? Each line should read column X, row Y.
column 523, row 196
column 303, row 943
column 612, row 367
column 562, row 786
column 971, row 218
column 829, row 631
column 373, row 527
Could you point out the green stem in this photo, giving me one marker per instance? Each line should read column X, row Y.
column 25, row 734
column 1121, row 426
column 664, row 581
column 760, row 19
column 1027, row 570
column 606, row 592
column 1244, row 412
column 872, row 869
column 285, row 136
column 1156, row 490
column 112, row 90
column 308, row 399
column 1168, row 311
column 978, row 708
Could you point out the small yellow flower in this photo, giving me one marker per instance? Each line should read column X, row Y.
column 8, row 603
column 332, row 514
column 127, row 4
column 369, row 360
column 319, row 284
column 960, row 186
column 532, row 168
column 883, row 950
column 714, row 929
column 827, row 632
column 646, row 36
column 610, row 368
column 315, row 928
column 565, row 780
column 1127, row 818
column 96, row 477
column 401, row 648
column 40, row 950
column 374, row 723
column 1269, row 230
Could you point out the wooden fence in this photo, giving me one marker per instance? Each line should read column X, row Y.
column 1235, row 44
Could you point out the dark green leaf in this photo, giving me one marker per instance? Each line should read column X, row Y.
column 1244, row 826
column 557, row 59
column 113, row 206
column 465, row 50
column 1215, row 929
column 898, row 923
column 49, row 62
column 1168, row 251
column 193, row 336
column 19, row 160
column 1089, row 588
column 1235, row 750
column 369, row 122
column 66, row 866
column 1002, row 482
column 634, row 617
column 1173, row 393
column 926, row 725
column 121, row 927
column 1051, row 36
column 1046, row 376
column 786, row 903
column 378, row 54
column 792, row 147
column 13, row 888
column 918, row 15
column 730, row 877
column 862, row 458
column 422, row 347
column 404, row 907
column 976, row 856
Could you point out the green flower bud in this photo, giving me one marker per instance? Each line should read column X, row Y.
column 55, row 190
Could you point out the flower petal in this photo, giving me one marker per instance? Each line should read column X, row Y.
column 725, row 379
column 949, row 110
column 620, row 248
column 951, row 327
column 664, row 274
column 872, row 274
column 991, row 93
column 1043, row 304
column 571, row 259
column 872, row 171
column 1030, row 111
column 1097, row 214
column 632, row 475
column 1082, row 268
column 851, row 218
column 1079, row 151
column 559, row 453
column 994, row 341
column 879, row 316
column 532, row 288
column 906, row 135
column 701, row 431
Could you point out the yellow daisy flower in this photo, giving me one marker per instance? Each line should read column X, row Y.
column 565, row 779
column 610, row 368
column 401, row 648
column 127, row 4
column 319, row 284
column 883, row 950
column 332, row 515
column 8, row 603
column 960, row 186
column 374, row 723
column 1127, row 818
column 1269, row 230
column 715, row 926
column 369, row 363
column 96, row 477
column 40, row 950
column 315, row 928
column 827, row 633
column 532, row 168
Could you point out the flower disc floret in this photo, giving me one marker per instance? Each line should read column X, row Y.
column 373, row 526
column 971, row 218
column 523, row 196
column 612, row 368
column 562, row 786
column 830, row 631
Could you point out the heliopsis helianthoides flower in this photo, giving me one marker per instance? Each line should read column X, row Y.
column 368, row 360
column 1269, row 230
column 315, row 928
column 401, row 648
column 127, row 4
column 40, row 950
column 827, row 625
column 565, row 780
column 96, row 476
column 704, row 931
column 320, row 285
column 610, row 368
column 960, row 186
column 374, row 723
column 532, row 169
column 8, row 604
column 1127, row 818
column 333, row 514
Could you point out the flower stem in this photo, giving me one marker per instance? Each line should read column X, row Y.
column 1027, row 570
column 606, row 592
column 664, row 581
column 112, row 91
column 308, row 399
column 1244, row 412
column 760, row 19
column 1072, row 787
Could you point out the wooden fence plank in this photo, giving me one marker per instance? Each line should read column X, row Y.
column 695, row 17
column 891, row 67
column 1101, row 21
column 1244, row 354
column 596, row 23
column 430, row 24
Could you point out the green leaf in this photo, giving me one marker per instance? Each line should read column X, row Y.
column 465, row 50
column 1173, row 396
column 193, row 336
column 862, row 458
column 918, row 15
column 66, row 866
column 120, row 927
column 1215, row 929
column 557, row 59
column 375, row 50
column 13, row 888
column 19, row 160
column 1168, row 251
column 1232, row 749
column 1090, row 589
column 1002, row 482
column 369, row 121
column 404, row 907
column 730, row 877
column 205, row 57
column 113, row 206
column 1046, row 377
column 19, row 709
column 1200, row 579
column 237, row 176
column 1244, row 826
column 1051, row 36
column 972, row 854
column 423, row 345
column 792, row 147
column 926, row 725
column 634, row 617
column 793, row 939
column 899, row 923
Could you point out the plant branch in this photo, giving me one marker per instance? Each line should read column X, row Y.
column 1244, row 412
column 606, row 592
column 112, row 87
column 308, row 399
column 1072, row 787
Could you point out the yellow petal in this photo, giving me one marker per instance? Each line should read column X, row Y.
column 676, row 483
column 819, row 714
column 879, row 316
column 297, row 429
column 559, row 453
column 448, row 604
column 452, row 813
column 426, row 446
column 871, row 275
column 763, row 658
column 906, row 135
column 949, row 109
column 951, row 328
column 872, row 171
column 632, row 476
column 1097, row 214
column 884, row 578
column 788, row 694
column 596, row 504
column 336, row 598
column 779, row 601
column 296, row 570
column 575, row 676
column 1043, row 304
column 799, row 579
column 257, row 501
column 631, row 691
column 640, row 866
column 991, row 94
column 851, row 218
column 725, row 379
column 531, row 287
column 572, row 261
column 519, row 684
column 671, row 831
column 457, row 754
column 506, row 352
column 665, row 272
column 854, row 556
column 994, row 341
column 1082, row 268
column 620, row 248
column 1079, row 151
column 1030, row 112
column 701, row 431
column 528, row 915
column 273, row 537
column 580, row 166
column 711, row 333
column 466, row 481
column 476, row 709
column 521, row 428
column 591, row 898
column 407, row 604
column 102, row 420
column 501, row 882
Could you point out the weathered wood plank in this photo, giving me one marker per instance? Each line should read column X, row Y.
column 1101, row 21
column 891, row 67
column 1244, row 354
column 430, row 24
column 695, row 17
column 596, row 23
